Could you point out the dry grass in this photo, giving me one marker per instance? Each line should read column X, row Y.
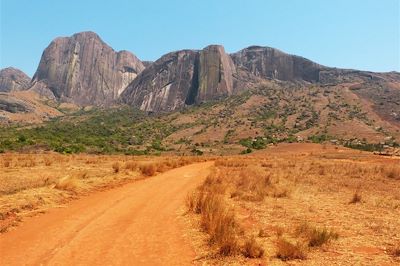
column 116, row 167
column 68, row 183
column 356, row 197
column 288, row 251
column 252, row 249
column 395, row 250
column 148, row 169
column 276, row 192
column 132, row 165
column 217, row 220
column 34, row 182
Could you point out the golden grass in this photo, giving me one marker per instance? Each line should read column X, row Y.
column 289, row 251
column 273, row 192
column 68, row 183
column 216, row 219
column 395, row 250
column 252, row 249
column 356, row 197
column 46, row 180
column 116, row 167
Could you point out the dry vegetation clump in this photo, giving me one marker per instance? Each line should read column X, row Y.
column 116, row 167
column 393, row 172
column 288, row 251
column 47, row 161
column 252, row 249
column 395, row 250
column 356, row 197
column 131, row 165
column 148, row 169
column 316, row 237
column 217, row 219
column 68, row 183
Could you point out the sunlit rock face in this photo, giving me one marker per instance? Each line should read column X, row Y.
column 266, row 62
column 182, row 78
column 215, row 76
column 12, row 79
column 84, row 70
column 165, row 84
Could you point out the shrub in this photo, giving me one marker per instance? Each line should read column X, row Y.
column 67, row 183
column 148, row 169
column 116, row 167
column 318, row 237
column 314, row 236
column 131, row 165
column 288, row 251
column 395, row 251
column 356, row 198
column 252, row 249
column 216, row 220
column 393, row 172
column 47, row 161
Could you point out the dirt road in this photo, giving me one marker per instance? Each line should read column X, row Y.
column 136, row 224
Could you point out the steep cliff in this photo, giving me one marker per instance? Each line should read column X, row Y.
column 84, row 70
column 182, row 78
column 215, row 73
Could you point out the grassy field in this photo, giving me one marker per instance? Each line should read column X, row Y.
column 242, row 123
column 300, row 205
column 295, row 204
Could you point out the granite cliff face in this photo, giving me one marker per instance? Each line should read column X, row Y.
column 165, row 84
column 12, row 79
column 182, row 78
column 171, row 83
column 266, row 62
column 84, row 70
column 215, row 76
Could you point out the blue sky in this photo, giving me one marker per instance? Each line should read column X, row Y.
column 360, row 34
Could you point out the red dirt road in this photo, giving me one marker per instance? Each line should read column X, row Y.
column 136, row 224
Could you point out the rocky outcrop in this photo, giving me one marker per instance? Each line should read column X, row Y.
column 12, row 104
column 12, row 79
column 215, row 76
column 84, row 70
column 182, row 78
column 266, row 62
column 165, row 84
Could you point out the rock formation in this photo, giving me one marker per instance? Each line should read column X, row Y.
column 182, row 78
column 165, row 84
column 84, row 70
column 12, row 79
column 266, row 62
column 215, row 76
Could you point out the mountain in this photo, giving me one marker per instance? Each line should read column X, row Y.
column 12, row 79
column 206, row 97
column 84, row 70
column 266, row 62
column 182, row 78
column 187, row 77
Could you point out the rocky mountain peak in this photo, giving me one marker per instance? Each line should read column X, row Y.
column 182, row 78
column 267, row 62
column 84, row 70
column 13, row 79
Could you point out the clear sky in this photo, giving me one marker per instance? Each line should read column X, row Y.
column 360, row 34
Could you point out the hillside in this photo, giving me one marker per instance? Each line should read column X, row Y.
column 349, row 114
